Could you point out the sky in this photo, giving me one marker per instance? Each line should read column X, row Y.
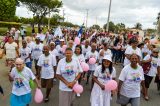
column 128, row 12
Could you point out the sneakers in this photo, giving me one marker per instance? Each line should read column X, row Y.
column 78, row 95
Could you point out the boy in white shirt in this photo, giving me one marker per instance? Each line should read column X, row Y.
column 47, row 65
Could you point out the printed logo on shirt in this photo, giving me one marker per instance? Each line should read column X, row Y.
column 46, row 63
column 135, row 77
column 37, row 49
column 69, row 70
column 106, row 76
column 154, row 63
column 24, row 54
column 19, row 82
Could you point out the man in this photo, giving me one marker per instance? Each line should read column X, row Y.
column 91, row 54
column 22, row 32
column 47, row 65
column 59, row 49
column 86, row 47
column 16, row 36
column 37, row 52
column 25, row 54
column 68, row 72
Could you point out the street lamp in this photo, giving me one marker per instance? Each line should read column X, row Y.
column 109, row 15
column 158, row 24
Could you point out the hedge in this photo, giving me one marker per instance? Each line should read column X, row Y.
column 10, row 24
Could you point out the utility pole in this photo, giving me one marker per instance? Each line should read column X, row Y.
column 87, row 17
column 158, row 25
column 109, row 15
column 63, row 15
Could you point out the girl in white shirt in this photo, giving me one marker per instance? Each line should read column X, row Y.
column 102, row 74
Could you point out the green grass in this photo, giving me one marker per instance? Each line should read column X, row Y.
column 28, row 29
column 3, row 30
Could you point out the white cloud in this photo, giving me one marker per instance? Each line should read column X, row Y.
column 128, row 12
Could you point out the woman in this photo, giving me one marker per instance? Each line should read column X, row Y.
column 102, row 74
column 21, row 91
column 130, row 80
column 154, row 60
column 78, row 55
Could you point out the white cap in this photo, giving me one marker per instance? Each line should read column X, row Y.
column 108, row 57
column 61, row 40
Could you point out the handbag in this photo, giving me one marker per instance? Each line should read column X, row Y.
column 31, row 82
column 146, row 67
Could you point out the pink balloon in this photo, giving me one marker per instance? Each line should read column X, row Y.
column 92, row 61
column 85, row 66
column 78, row 88
column 64, row 48
column 38, row 98
column 77, row 40
column 111, row 85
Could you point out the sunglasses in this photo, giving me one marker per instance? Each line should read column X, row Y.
column 155, row 52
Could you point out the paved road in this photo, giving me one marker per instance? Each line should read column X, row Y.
column 82, row 101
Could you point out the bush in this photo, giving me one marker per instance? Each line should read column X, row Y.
column 10, row 24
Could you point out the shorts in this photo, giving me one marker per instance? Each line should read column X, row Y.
column 29, row 65
column 22, row 100
column 148, row 80
column 47, row 83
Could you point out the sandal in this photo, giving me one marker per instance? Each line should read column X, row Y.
column 46, row 99
column 146, row 98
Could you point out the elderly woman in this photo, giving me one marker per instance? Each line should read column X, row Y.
column 130, row 80
column 21, row 90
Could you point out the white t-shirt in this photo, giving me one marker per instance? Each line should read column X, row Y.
column 37, row 51
column 107, row 52
column 25, row 52
column 11, row 50
column 21, row 81
column 154, row 64
column 79, row 57
column 31, row 44
column 47, row 64
column 130, row 51
column 85, row 50
column 104, row 77
column 54, row 52
column 68, row 71
column 60, row 52
column 42, row 36
column 131, row 81
column 89, row 55
column 16, row 36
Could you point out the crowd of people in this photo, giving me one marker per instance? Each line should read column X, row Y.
column 140, row 62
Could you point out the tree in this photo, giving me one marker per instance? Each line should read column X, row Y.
column 112, row 27
column 7, row 9
column 138, row 25
column 95, row 27
column 41, row 8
